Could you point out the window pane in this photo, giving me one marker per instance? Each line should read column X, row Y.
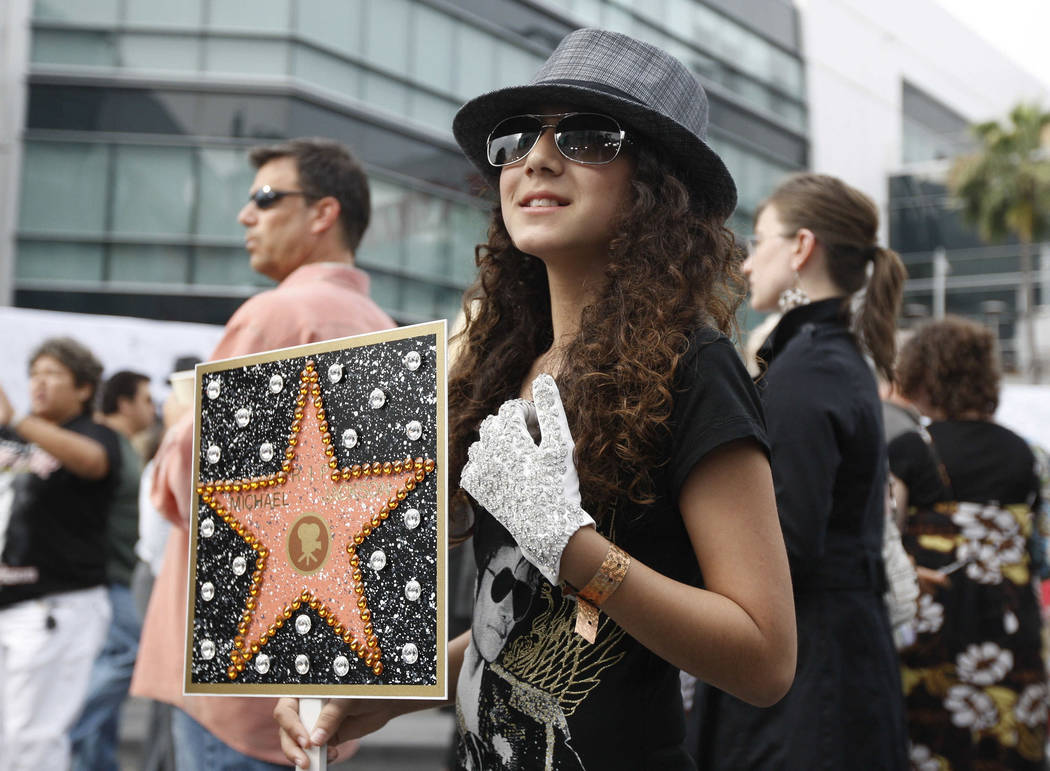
column 226, row 266
column 386, row 93
column 251, row 57
column 63, row 188
column 225, row 179
column 184, row 12
column 382, row 244
column 385, row 290
column 153, row 190
column 517, row 66
column 327, row 71
column 265, row 15
column 56, row 261
column 476, row 65
column 155, row 263
column 386, row 35
column 468, row 230
column 100, row 11
column 435, row 46
column 433, row 110
column 53, row 46
column 338, row 23
column 426, row 236
column 159, row 52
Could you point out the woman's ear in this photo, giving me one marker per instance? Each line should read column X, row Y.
column 805, row 243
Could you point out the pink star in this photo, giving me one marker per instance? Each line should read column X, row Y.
column 305, row 525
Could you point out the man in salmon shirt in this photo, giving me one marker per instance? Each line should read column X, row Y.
column 306, row 213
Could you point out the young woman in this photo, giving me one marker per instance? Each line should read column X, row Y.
column 974, row 680
column 596, row 401
column 813, row 253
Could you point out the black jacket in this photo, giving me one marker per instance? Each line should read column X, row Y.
column 828, row 455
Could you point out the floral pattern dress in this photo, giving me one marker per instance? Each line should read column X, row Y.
column 974, row 679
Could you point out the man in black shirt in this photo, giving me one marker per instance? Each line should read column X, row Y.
column 57, row 471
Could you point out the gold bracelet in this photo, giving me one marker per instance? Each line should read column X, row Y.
column 599, row 589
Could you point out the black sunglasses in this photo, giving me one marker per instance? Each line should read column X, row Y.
column 266, row 196
column 503, row 584
column 583, row 137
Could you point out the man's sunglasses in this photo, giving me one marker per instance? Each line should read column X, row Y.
column 503, row 584
column 583, row 137
column 266, row 196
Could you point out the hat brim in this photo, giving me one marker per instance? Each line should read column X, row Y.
column 710, row 184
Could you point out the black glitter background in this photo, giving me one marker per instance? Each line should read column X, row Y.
column 410, row 554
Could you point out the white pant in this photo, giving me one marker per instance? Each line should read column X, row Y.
column 47, row 648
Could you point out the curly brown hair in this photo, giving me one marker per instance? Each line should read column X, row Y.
column 671, row 269
column 952, row 365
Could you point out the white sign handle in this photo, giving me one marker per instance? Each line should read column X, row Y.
column 309, row 711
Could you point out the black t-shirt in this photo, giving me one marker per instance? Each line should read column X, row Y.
column 52, row 522
column 985, row 462
column 532, row 693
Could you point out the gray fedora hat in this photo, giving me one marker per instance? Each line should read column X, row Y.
column 646, row 88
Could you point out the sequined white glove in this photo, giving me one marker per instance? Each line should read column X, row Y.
column 533, row 490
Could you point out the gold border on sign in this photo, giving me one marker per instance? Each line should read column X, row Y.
column 439, row 690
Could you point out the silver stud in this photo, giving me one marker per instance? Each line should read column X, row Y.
column 214, row 453
column 412, row 519
column 378, row 560
column 377, row 398
column 341, row 665
column 207, row 650
column 262, row 663
column 409, row 653
column 207, row 591
column 413, row 590
column 412, row 361
column 213, row 389
column 276, row 384
column 349, row 438
column 302, row 663
column 265, row 452
column 302, row 623
column 239, row 565
column 414, row 430
column 242, row 417
column 208, row 527
column 335, row 373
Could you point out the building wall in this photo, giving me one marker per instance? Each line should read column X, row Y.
column 139, row 114
column 14, row 48
column 859, row 53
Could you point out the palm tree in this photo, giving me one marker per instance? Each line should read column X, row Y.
column 1004, row 189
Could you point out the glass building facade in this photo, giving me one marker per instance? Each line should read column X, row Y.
column 139, row 115
column 981, row 282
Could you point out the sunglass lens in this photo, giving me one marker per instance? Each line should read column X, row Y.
column 512, row 139
column 502, row 584
column 588, row 138
column 265, row 198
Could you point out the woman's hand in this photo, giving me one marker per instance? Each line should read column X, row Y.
column 930, row 579
column 533, row 490
column 340, row 720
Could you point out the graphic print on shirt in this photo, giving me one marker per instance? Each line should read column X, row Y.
column 17, row 458
column 514, row 698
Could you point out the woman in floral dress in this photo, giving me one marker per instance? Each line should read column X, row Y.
column 974, row 680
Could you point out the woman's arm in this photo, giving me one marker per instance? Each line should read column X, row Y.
column 344, row 719
column 738, row 634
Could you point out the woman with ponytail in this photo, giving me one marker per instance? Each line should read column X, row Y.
column 814, row 258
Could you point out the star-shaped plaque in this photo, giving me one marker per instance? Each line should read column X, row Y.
column 316, row 562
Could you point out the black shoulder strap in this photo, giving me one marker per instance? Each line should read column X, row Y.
column 936, row 456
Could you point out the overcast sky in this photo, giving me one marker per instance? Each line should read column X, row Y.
column 1018, row 28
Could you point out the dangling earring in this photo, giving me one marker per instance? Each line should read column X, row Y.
column 793, row 297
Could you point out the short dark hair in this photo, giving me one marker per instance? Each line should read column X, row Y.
column 954, row 364
column 122, row 384
column 75, row 357
column 326, row 168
